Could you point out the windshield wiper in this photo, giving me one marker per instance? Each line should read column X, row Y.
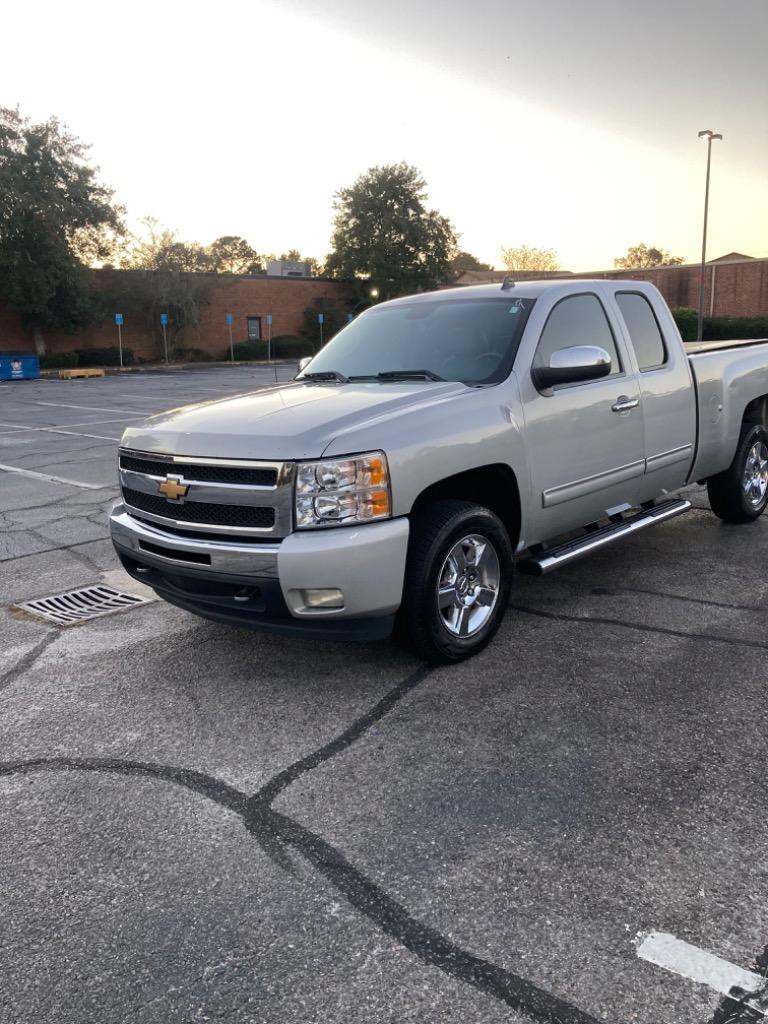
column 326, row 375
column 408, row 375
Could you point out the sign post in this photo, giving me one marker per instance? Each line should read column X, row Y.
column 119, row 322
column 320, row 320
column 230, row 320
column 164, row 324
column 269, row 337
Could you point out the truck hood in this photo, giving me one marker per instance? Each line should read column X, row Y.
column 296, row 421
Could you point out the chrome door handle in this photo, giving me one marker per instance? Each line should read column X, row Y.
column 624, row 404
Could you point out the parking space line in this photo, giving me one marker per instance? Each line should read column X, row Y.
column 71, row 426
column 57, row 430
column 680, row 957
column 55, row 479
column 89, row 408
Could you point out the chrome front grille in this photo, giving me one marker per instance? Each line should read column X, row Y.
column 204, row 472
column 226, row 497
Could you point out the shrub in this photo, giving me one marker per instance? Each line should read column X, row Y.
column 191, row 355
column 59, row 361
column 687, row 322
column 103, row 356
column 284, row 346
column 287, row 346
column 248, row 350
column 335, row 319
column 720, row 328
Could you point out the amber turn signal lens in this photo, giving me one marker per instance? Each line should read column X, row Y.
column 373, row 471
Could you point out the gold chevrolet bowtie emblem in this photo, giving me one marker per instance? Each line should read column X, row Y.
column 173, row 488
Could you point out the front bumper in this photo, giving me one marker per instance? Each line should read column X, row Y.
column 261, row 585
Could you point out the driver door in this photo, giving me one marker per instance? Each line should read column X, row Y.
column 585, row 440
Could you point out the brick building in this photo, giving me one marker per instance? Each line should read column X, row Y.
column 248, row 299
column 734, row 285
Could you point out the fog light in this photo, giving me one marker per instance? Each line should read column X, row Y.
column 330, row 598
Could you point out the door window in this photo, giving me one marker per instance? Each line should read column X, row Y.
column 644, row 330
column 254, row 328
column 577, row 320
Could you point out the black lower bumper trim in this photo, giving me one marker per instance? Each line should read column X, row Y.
column 256, row 603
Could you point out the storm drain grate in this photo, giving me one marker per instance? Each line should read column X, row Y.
column 80, row 605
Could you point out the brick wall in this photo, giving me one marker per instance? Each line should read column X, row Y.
column 14, row 335
column 285, row 298
column 739, row 288
column 730, row 289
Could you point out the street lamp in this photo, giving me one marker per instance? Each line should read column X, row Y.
column 709, row 136
column 374, row 293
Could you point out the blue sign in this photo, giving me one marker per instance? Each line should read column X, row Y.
column 230, row 319
column 163, row 319
column 321, row 318
column 269, row 319
column 350, row 317
column 119, row 319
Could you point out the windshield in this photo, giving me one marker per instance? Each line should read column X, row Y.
column 468, row 340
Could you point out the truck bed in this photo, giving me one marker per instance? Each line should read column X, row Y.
column 692, row 347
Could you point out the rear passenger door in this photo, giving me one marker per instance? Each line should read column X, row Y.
column 666, row 394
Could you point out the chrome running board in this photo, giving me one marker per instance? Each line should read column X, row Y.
column 541, row 561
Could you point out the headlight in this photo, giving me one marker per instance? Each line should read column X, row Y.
column 340, row 492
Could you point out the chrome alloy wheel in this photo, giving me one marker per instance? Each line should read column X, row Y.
column 468, row 585
column 755, row 480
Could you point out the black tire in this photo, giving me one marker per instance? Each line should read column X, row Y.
column 435, row 531
column 727, row 495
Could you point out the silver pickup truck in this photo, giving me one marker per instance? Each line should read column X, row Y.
column 432, row 444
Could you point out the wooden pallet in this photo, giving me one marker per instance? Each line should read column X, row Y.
column 80, row 372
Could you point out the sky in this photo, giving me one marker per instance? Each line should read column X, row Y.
column 560, row 124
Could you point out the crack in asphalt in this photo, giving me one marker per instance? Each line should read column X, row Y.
column 598, row 620
column 27, row 660
column 276, row 833
column 614, row 591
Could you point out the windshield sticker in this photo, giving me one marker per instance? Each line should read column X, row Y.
column 517, row 306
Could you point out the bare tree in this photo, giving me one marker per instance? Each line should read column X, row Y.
column 525, row 257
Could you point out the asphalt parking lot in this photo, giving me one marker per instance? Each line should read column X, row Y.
column 199, row 823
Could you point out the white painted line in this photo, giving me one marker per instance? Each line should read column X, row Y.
column 57, row 430
column 54, row 479
column 71, row 426
column 89, row 408
column 696, row 964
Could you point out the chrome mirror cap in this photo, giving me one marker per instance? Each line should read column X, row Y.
column 571, row 365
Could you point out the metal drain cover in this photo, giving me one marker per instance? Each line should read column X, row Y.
column 80, row 605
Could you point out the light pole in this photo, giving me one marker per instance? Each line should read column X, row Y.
column 709, row 136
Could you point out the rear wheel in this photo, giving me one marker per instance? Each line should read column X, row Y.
column 457, row 582
column 740, row 493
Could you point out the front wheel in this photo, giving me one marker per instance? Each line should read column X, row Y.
column 457, row 581
column 740, row 493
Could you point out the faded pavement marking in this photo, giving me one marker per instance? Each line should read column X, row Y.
column 680, row 957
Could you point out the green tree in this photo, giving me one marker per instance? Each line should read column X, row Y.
column 385, row 235
column 55, row 219
column 528, row 258
column 334, row 319
column 163, row 278
column 231, row 254
column 464, row 261
column 641, row 256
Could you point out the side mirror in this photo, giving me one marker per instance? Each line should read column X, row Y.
column 304, row 363
column 570, row 365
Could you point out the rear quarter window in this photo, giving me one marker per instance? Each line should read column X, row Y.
column 644, row 331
